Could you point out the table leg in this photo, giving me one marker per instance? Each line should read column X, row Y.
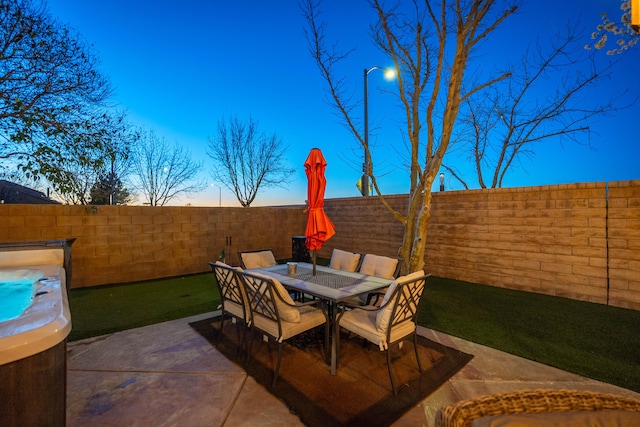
column 331, row 354
column 334, row 340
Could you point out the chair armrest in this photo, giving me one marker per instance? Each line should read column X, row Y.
column 310, row 302
column 357, row 307
column 298, row 303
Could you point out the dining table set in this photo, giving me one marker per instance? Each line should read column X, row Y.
column 333, row 287
column 260, row 290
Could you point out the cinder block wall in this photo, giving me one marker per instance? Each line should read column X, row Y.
column 624, row 243
column 549, row 240
column 120, row 244
column 580, row 241
column 564, row 240
column 364, row 225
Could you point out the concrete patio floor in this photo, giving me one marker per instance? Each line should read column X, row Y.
column 168, row 375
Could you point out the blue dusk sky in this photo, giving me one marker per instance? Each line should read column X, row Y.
column 178, row 67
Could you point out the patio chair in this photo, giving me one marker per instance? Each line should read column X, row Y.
column 256, row 258
column 379, row 266
column 345, row 261
column 542, row 407
column 390, row 323
column 276, row 315
column 233, row 298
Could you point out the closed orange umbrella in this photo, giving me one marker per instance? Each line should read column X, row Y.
column 319, row 226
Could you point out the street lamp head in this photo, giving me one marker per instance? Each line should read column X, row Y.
column 389, row 74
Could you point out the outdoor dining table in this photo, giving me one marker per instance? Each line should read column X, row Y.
column 330, row 285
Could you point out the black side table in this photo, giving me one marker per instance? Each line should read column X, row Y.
column 299, row 252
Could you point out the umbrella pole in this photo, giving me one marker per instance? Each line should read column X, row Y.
column 314, row 262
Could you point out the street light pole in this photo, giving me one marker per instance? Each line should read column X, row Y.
column 219, row 194
column 366, row 165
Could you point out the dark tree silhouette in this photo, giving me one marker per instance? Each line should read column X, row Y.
column 109, row 190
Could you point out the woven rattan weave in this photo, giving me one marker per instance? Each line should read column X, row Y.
column 463, row 413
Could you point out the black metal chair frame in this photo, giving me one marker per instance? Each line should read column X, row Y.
column 261, row 294
column 230, row 288
column 405, row 299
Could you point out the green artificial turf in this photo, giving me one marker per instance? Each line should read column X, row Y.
column 106, row 309
column 592, row 340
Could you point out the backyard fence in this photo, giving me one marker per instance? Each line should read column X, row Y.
column 580, row 241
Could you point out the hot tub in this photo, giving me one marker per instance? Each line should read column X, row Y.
column 33, row 359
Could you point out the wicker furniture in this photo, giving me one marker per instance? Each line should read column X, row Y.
column 463, row 413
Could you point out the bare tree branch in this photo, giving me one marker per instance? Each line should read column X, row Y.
column 430, row 44
column 507, row 119
column 163, row 171
column 246, row 159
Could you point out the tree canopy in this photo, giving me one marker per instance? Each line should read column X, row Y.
column 52, row 95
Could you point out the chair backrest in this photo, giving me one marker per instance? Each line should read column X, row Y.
column 345, row 261
column 268, row 299
column 256, row 258
column 230, row 287
column 400, row 303
column 380, row 266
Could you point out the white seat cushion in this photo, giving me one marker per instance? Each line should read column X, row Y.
column 363, row 323
column 384, row 315
column 308, row 317
column 343, row 260
column 234, row 308
column 379, row 266
column 258, row 259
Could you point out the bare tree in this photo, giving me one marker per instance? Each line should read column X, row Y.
column 507, row 120
column 51, row 94
column 431, row 44
column 247, row 159
column 162, row 171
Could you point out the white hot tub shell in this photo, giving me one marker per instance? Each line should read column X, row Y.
column 33, row 345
